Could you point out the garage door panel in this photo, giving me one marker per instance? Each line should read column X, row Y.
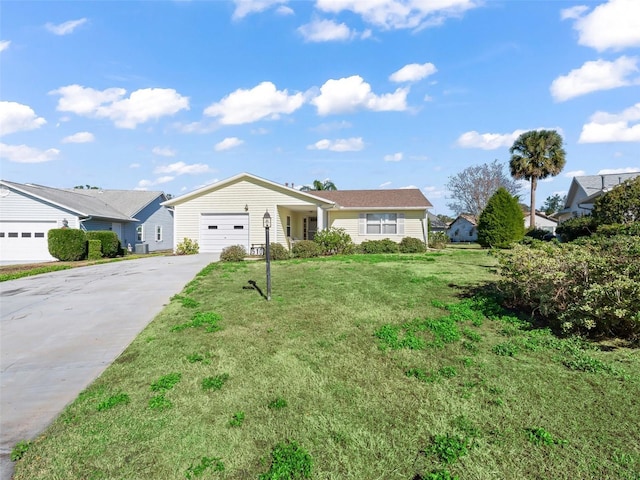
column 25, row 241
column 218, row 231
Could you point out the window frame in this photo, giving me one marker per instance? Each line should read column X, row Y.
column 382, row 223
column 140, row 233
column 159, row 233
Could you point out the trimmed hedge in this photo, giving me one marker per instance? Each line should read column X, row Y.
column 110, row 242
column 67, row 244
column 95, row 249
column 576, row 227
column 233, row 253
column 379, row 246
column 278, row 251
column 306, row 249
column 412, row 245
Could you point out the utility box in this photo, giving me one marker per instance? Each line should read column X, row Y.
column 142, row 248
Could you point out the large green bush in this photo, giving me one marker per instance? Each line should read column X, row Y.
column 619, row 205
column 619, row 229
column 576, row 227
column 589, row 286
column 277, row 251
column 501, row 223
column 412, row 245
column 233, row 253
column 67, row 244
column 305, row 249
column 333, row 241
column 109, row 240
column 385, row 245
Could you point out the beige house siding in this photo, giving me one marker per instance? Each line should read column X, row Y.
column 349, row 221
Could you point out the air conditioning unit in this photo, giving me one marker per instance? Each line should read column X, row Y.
column 142, row 248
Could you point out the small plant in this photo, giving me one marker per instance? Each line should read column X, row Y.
column 187, row 247
column 233, row 253
column 505, row 349
column 539, row 436
column 442, row 474
column 306, row 249
column 465, row 426
column 207, row 319
column 277, row 404
column 206, row 463
column 19, row 450
column 160, row 402
column 333, row 241
column 237, row 419
column 448, row 448
column 167, row 382
column 412, row 245
column 185, row 301
column 114, row 400
column 421, row 375
column 288, row 461
column 195, row 357
column 214, row 383
column 447, row 372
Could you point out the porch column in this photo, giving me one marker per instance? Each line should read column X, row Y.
column 320, row 215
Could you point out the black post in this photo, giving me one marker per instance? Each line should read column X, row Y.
column 268, row 264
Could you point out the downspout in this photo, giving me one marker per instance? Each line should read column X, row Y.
column 81, row 223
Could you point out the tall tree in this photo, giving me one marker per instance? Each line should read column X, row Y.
column 536, row 155
column 554, row 203
column 319, row 185
column 471, row 189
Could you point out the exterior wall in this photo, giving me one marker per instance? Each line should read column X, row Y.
column 233, row 198
column 542, row 223
column 95, row 225
column 464, row 229
column 349, row 221
column 18, row 206
column 150, row 217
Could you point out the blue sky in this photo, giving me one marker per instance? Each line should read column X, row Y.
column 174, row 95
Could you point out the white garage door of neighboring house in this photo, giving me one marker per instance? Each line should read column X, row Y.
column 25, row 241
column 218, row 231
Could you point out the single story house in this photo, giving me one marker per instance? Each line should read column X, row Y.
column 463, row 229
column 584, row 191
column 435, row 224
column 543, row 222
column 28, row 212
column 230, row 212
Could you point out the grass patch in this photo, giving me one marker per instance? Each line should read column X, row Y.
column 214, row 383
column 288, row 461
column 14, row 275
column 367, row 364
column 19, row 450
column 113, row 401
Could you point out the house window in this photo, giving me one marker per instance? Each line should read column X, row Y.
column 26, row 234
column 1, row 234
column 288, row 226
column 382, row 223
column 39, row 235
column 13, row 234
column 158, row 233
column 139, row 233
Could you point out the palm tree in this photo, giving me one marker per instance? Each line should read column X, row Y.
column 318, row 185
column 536, row 155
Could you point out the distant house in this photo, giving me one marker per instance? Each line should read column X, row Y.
column 230, row 212
column 28, row 212
column 463, row 229
column 436, row 224
column 584, row 191
column 543, row 222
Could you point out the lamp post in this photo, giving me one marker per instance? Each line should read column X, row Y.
column 266, row 223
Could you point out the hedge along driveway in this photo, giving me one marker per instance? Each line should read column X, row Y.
column 60, row 330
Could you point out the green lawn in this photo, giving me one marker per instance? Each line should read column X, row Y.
column 362, row 367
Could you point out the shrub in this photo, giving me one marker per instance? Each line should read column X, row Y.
column 379, row 246
column 536, row 233
column 187, row 247
column 411, row 245
column 439, row 240
column 576, row 227
column 305, row 249
column 501, row 222
column 278, row 251
column 619, row 229
column 67, row 244
column 333, row 241
column 95, row 249
column 233, row 253
column 109, row 240
column 619, row 205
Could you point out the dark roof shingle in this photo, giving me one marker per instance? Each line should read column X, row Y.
column 407, row 198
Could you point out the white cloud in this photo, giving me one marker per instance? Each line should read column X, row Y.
column 325, row 31
column 413, row 72
column 80, row 137
column 246, row 7
column 65, row 28
column 593, row 76
column 385, row 184
column 4, row 44
column 609, row 171
column 407, row 187
column 573, row 13
column 611, row 25
column 16, row 117
column 434, row 192
column 145, row 184
column 134, row 165
column 181, row 168
column 613, row 127
column 247, row 106
column 329, row 126
column 353, row 93
column 396, row 157
column 228, row 143
column 141, row 106
column 396, row 14
column 284, row 10
column 25, row 154
column 164, row 151
column 574, row 173
column 196, row 127
column 353, row 144
column 488, row 141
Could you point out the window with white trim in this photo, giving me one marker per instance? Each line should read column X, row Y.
column 288, row 226
column 139, row 233
column 158, row 233
column 382, row 223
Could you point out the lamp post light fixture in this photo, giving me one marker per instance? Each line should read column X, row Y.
column 266, row 223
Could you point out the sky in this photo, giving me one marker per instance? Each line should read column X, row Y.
column 175, row 95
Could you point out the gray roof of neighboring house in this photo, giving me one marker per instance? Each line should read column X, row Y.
column 405, row 198
column 435, row 221
column 593, row 184
column 129, row 202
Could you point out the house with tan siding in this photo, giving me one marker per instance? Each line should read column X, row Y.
column 230, row 212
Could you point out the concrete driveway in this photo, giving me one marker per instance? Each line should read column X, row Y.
column 59, row 331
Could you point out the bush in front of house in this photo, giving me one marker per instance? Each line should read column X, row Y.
column 333, row 241
column 536, row 233
column 94, row 249
column 67, row 244
column 576, row 227
column 306, row 249
column 411, row 245
column 187, row 247
column 501, row 223
column 379, row 246
column 109, row 240
column 233, row 253
column 439, row 240
column 278, row 251
column 619, row 229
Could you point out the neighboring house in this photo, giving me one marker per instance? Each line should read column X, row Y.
column 543, row 222
column 28, row 212
column 584, row 191
column 463, row 229
column 230, row 212
column 436, row 224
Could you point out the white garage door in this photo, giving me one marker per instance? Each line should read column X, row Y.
column 218, row 231
column 25, row 241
